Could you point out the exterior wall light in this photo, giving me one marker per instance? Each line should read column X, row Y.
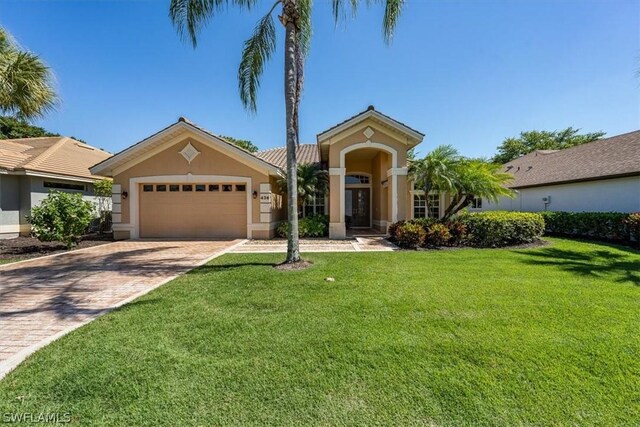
column 125, row 194
column 255, row 194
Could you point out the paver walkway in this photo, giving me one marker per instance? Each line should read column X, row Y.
column 357, row 244
column 44, row 298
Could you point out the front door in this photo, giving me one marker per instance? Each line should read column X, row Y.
column 358, row 207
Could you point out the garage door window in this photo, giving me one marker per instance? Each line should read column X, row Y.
column 161, row 188
column 147, row 187
column 174, row 187
column 241, row 187
column 201, row 187
column 214, row 187
column 187, row 187
column 227, row 187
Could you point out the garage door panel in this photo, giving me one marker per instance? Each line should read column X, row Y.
column 193, row 214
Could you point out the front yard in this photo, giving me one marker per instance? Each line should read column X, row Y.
column 546, row 336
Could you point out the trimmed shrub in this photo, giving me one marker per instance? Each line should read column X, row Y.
column 612, row 226
column 410, row 235
column 311, row 226
column 495, row 229
column 61, row 217
column 437, row 235
column 458, row 232
column 633, row 224
column 393, row 230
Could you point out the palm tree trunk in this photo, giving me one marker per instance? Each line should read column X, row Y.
column 290, row 90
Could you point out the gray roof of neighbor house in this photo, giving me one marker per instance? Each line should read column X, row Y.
column 605, row 158
column 305, row 153
column 56, row 155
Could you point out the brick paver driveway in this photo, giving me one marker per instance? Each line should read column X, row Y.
column 44, row 298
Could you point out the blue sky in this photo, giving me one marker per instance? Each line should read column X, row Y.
column 467, row 73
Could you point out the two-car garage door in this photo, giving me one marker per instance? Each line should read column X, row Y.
column 199, row 210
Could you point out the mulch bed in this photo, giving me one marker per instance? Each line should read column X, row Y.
column 22, row 248
column 301, row 265
column 536, row 244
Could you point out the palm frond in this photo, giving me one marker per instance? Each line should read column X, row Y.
column 26, row 82
column 191, row 16
column 257, row 51
column 392, row 12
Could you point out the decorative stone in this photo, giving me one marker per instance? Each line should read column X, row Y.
column 329, row 279
column 189, row 152
column 368, row 132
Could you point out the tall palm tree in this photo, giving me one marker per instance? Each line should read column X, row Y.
column 26, row 83
column 190, row 16
column 312, row 180
column 436, row 172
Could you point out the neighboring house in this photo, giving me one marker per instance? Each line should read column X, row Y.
column 600, row 176
column 31, row 167
column 187, row 182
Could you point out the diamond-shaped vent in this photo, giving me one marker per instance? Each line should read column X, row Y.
column 189, row 152
column 368, row 132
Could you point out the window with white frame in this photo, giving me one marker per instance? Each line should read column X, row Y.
column 420, row 209
column 315, row 206
column 419, row 206
column 476, row 203
column 434, row 206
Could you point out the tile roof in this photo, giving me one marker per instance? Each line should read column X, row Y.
column 125, row 155
column 306, row 153
column 609, row 157
column 55, row 155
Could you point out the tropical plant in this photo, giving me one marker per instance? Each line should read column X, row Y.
column 477, row 179
column 26, row 83
column 527, row 142
column 410, row 235
column 190, row 16
column 312, row 180
column 61, row 217
column 437, row 171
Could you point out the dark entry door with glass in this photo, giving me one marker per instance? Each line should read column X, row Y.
column 357, row 207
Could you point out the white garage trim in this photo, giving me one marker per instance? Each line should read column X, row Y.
column 134, row 197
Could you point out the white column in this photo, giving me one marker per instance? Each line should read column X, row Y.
column 338, row 230
column 393, row 173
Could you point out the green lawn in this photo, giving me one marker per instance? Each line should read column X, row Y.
column 547, row 336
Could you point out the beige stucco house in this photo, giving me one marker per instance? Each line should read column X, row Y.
column 186, row 182
column 32, row 167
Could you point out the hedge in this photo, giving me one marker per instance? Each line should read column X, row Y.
column 610, row 226
column 499, row 228
column 311, row 226
column 484, row 229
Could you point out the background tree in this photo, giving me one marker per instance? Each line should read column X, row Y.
column 190, row 16
column 527, row 142
column 26, row 83
column 11, row 128
column 311, row 180
column 242, row 143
